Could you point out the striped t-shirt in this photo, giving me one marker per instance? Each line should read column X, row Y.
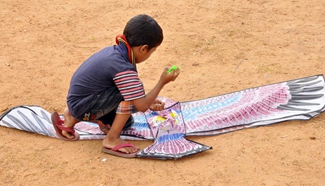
column 103, row 70
column 129, row 85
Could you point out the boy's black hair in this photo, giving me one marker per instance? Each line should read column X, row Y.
column 143, row 30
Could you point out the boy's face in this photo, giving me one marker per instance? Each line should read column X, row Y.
column 141, row 53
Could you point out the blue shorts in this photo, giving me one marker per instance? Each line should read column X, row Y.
column 104, row 107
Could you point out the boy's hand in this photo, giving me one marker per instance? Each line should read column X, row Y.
column 148, row 101
column 168, row 77
column 157, row 105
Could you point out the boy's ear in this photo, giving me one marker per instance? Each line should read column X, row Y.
column 144, row 48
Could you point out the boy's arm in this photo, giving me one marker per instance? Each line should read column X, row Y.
column 142, row 104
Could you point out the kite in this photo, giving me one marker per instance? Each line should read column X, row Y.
column 298, row 99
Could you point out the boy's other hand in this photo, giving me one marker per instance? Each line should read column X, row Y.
column 157, row 105
column 168, row 77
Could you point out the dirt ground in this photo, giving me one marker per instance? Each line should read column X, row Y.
column 221, row 46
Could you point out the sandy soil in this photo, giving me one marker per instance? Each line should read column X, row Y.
column 222, row 47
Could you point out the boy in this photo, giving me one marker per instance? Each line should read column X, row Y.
column 106, row 87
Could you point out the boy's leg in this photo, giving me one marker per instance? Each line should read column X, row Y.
column 113, row 139
column 69, row 121
column 105, row 122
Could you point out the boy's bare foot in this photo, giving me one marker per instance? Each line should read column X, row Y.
column 103, row 127
column 111, row 143
column 69, row 121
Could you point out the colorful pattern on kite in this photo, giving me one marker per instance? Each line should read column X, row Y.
column 169, row 132
column 157, row 118
column 140, row 129
column 253, row 106
column 237, row 108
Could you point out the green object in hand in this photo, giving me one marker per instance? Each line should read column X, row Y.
column 174, row 67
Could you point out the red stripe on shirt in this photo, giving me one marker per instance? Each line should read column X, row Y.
column 129, row 85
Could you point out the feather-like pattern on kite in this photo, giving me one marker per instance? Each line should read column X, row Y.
column 296, row 99
column 140, row 129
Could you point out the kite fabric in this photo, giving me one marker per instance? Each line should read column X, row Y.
column 299, row 99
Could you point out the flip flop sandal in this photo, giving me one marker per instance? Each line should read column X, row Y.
column 115, row 151
column 58, row 126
